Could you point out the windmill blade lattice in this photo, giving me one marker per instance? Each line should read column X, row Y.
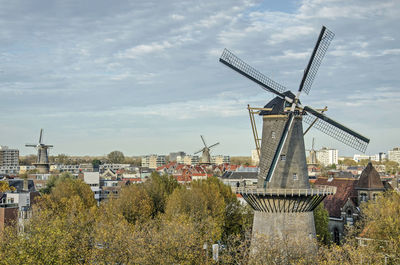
column 335, row 130
column 231, row 60
column 318, row 54
column 213, row 145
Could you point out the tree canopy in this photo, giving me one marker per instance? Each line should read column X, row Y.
column 116, row 157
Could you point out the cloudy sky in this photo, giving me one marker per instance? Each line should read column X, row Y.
column 143, row 76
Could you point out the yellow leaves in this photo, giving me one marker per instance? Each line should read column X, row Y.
column 68, row 228
column 4, row 187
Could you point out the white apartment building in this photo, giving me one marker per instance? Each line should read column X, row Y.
column 114, row 167
column 9, row 163
column 327, row 156
column 377, row 157
column 255, row 159
column 8, row 157
column 188, row 160
column 24, row 169
column 220, row 159
column 153, row 161
column 394, row 155
column 65, row 168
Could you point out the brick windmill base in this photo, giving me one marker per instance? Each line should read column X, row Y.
column 285, row 214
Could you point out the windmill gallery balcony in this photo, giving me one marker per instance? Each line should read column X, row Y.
column 284, row 200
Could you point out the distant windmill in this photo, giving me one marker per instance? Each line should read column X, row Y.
column 313, row 154
column 205, row 157
column 42, row 161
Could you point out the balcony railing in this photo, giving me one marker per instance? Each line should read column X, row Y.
column 321, row 190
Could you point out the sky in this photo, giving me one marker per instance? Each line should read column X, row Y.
column 143, row 77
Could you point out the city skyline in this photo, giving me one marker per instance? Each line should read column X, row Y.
column 145, row 78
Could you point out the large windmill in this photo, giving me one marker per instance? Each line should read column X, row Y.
column 205, row 156
column 283, row 201
column 42, row 161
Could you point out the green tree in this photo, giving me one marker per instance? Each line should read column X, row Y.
column 381, row 223
column 349, row 162
column 391, row 167
column 363, row 162
column 116, row 157
column 321, row 219
column 159, row 187
column 96, row 162
column 60, row 230
column 134, row 204
column 54, row 179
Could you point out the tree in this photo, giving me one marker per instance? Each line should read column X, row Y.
column 63, row 190
column 134, row 204
column 241, row 160
column 212, row 206
column 391, row 167
column 54, row 179
column 60, row 230
column 363, row 162
column 381, row 223
column 321, row 219
column 349, row 162
column 116, row 157
column 159, row 187
column 96, row 163
column 4, row 187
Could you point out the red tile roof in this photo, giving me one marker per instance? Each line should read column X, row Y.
column 345, row 190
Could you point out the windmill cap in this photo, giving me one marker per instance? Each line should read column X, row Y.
column 278, row 104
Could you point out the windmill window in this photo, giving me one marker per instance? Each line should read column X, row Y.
column 283, row 157
column 273, row 135
column 295, row 176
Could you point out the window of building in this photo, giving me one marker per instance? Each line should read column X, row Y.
column 273, row 135
column 336, row 236
column 283, row 157
column 374, row 196
column 363, row 197
column 349, row 213
column 295, row 176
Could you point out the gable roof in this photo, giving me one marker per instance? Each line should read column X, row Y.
column 344, row 191
column 370, row 179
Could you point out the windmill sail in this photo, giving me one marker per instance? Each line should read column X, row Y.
column 229, row 59
column 335, row 129
column 324, row 39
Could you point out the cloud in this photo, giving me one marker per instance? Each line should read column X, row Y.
column 144, row 49
column 290, row 54
column 77, row 66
